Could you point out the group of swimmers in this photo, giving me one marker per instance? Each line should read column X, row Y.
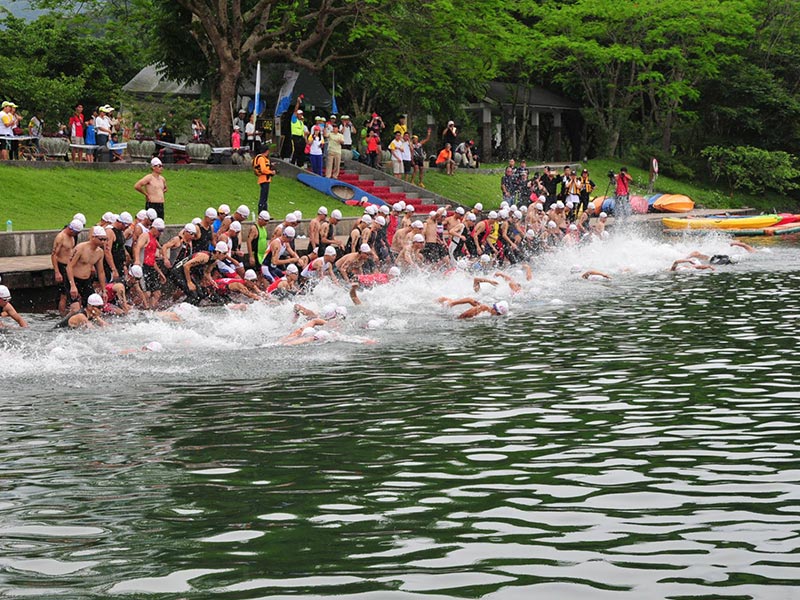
column 125, row 263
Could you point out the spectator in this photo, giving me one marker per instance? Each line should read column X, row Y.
column 251, row 135
column 263, row 170
column 406, row 153
column 622, row 205
column 348, row 131
column 401, row 125
column 508, row 184
column 333, row 159
column 115, row 147
column 445, row 160
column 241, row 119
column 316, row 141
column 90, row 138
column 236, row 139
column 102, row 125
column 198, row 131
column 450, row 134
column 76, row 132
column 549, row 182
column 6, row 129
column 396, row 150
column 587, row 187
column 299, row 133
column 36, row 125
column 15, row 131
column 418, row 157
column 373, row 149
column 465, row 156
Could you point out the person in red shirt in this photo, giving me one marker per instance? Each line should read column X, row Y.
column 622, row 205
column 76, row 129
column 373, row 149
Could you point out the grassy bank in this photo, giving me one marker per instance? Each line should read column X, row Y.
column 469, row 188
column 47, row 198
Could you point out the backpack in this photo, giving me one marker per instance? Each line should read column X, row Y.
column 257, row 167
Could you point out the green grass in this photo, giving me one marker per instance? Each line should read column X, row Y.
column 47, row 198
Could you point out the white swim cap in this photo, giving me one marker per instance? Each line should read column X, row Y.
column 190, row 228
column 329, row 311
column 570, row 205
column 370, row 209
column 492, row 214
column 433, row 213
column 108, row 217
column 397, row 207
column 98, row 231
column 604, row 235
column 523, row 209
column 460, row 210
column 298, row 214
column 221, row 247
column 384, row 209
column 330, row 251
column 136, row 271
column 336, row 214
column 125, row 218
column 76, row 226
column 559, row 204
column 197, row 221
column 211, row 213
column 478, row 206
column 244, row 211
column 471, row 217
column 590, row 206
column 394, row 272
column 517, row 214
column 236, row 226
column 289, row 231
column 224, row 209
column 504, row 204
column 250, row 275
column 410, row 208
column 152, row 214
column 364, row 248
column 291, row 268
column 380, row 220
column 291, row 218
column 95, row 300
column 366, row 219
column 153, row 347
column 551, row 224
column 375, row 323
column 503, row 214
column 542, row 198
column 159, row 224
column 80, row 218
column 322, row 336
column 4, row 293
column 573, row 227
column 156, row 162
column 322, row 210
column 485, row 258
column 530, row 233
column 418, row 238
column 538, row 206
column 341, row 312
column 603, row 215
column 308, row 331
column 417, row 225
column 501, row 307
column 264, row 215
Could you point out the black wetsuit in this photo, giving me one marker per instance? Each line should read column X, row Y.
column 206, row 235
column 118, row 254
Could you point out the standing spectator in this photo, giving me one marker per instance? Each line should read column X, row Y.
column 298, row 135
column 449, row 134
column 90, row 138
column 241, row 119
column 586, row 187
column 348, row 131
column 373, row 149
column 153, row 187
column 15, row 130
column 316, row 140
column 377, row 126
column 406, row 152
column 396, row 150
column 263, row 170
column 400, row 125
column 198, row 131
column 418, row 157
column 508, row 184
column 236, row 139
column 333, row 160
column 549, row 182
column 6, row 129
column 76, row 132
column 252, row 138
column 112, row 118
column 622, row 205
column 102, row 125
column 36, row 126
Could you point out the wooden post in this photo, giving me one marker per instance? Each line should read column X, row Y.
column 486, row 135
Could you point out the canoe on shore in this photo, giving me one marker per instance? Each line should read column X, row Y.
column 721, row 222
column 673, row 203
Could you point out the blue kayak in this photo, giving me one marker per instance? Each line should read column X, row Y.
column 340, row 190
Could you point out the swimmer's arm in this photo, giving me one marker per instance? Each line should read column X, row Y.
column 141, row 242
column 12, row 313
column 699, row 255
column 110, row 259
column 704, row 268
column 167, row 247
column 306, row 312
column 679, row 262
column 101, row 276
column 70, row 269
column 56, row 249
column 747, row 247
column 460, row 301
column 588, row 274
column 528, row 273
column 477, row 281
column 354, row 295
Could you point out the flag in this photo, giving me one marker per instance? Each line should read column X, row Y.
column 285, row 94
column 334, row 108
column 257, row 102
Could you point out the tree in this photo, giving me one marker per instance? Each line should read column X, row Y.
column 753, row 169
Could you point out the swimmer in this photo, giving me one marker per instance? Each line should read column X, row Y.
column 497, row 309
column 308, row 336
column 689, row 264
column 7, row 310
column 515, row 287
column 86, row 317
column 86, row 262
column 148, row 347
column 595, row 275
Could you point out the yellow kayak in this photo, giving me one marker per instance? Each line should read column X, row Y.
column 755, row 222
column 673, row 203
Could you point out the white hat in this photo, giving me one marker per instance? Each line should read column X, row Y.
column 394, row 272
column 98, row 231
column 155, row 162
column 501, row 308
column 197, row 221
column 409, row 208
column 4, row 293
column 291, row 268
column 153, row 347
column 471, row 217
column 397, row 207
column 291, row 218
column 380, row 220
column 504, row 204
column 451, row 123
column 542, row 198
column 136, row 271
column 602, row 215
column 236, row 226
column 418, row 238
column 125, row 218
column 322, row 211
column 264, row 215
column 95, row 300
column 486, row 258
column 330, row 251
column 559, row 204
column 190, row 228
column 224, row 209
column 551, row 224
column 365, row 249
column 370, row 209
column 108, row 217
column 221, row 247
column 517, row 214
column 530, row 233
column 417, row 225
column 503, row 214
column 289, row 231
column 590, row 206
column 384, row 209
column 141, row 215
column 492, row 214
column 538, row 206
column 76, row 226
column 211, row 213
column 250, row 275
column 523, row 209
column 433, row 213
column 159, row 224
column 244, row 211
column 478, row 206
column 298, row 214
column 569, row 205
column 152, row 214
column 80, row 218
column 336, row 214
column 460, row 210
column 573, row 227
column 366, row 219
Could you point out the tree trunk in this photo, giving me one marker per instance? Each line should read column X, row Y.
column 223, row 96
column 666, row 136
column 613, row 141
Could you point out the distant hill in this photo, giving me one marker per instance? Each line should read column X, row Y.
column 21, row 9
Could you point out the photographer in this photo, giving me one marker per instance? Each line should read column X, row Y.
column 549, row 182
column 622, row 204
column 449, row 135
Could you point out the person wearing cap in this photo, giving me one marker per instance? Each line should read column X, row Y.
column 333, row 156
column 280, row 253
column 298, row 130
column 258, row 240
column 240, row 215
column 464, row 156
column 87, row 316
column 411, row 253
column 233, row 237
column 477, row 308
column 179, row 247
column 146, row 255
column 486, row 233
column 549, row 182
column 348, row 130
column 622, row 205
column 236, row 140
column 283, row 288
column 599, row 227
column 262, row 168
column 290, row 220
column 102, row 126
column 63, row 246
column 587, row 186
column 240, row 120
column 88, row 256
column 206, row 238
column 352, row 264
column 7, row 309
column 435, row 250
column 115, row 247
column 319, row 268
column 252, row 137
column 450, row 135
column 314, row 227
column 418, row 158
column 244, row 285
column 373, row 149
column 327, row 234
column 153, row 187
column 358, row 234
column 396, row 151
column 445, row 160
column 76, row 124
column 193, row 274
column 316, row 142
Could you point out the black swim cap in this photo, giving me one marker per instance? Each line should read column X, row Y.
column 720, row 259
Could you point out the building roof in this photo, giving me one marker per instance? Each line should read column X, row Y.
column 534, row 96
column 150, row 81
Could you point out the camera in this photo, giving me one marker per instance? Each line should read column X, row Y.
column 611, row 174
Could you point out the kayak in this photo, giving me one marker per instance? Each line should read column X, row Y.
column 726, row 223
column 651, row 200
column 787, row 218
column 673, row 203
column 608, row 206
column 783, row 228
column 639, row 205
column 342, row 191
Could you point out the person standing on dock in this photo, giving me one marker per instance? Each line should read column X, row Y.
column 262, row 169
column 622, row 204
column 63, row 246
column 153, row 187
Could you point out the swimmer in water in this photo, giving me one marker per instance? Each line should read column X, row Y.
column 7, row 310
column 595, row 275
column 88, row 317
column 690, row 264
column 497, row 309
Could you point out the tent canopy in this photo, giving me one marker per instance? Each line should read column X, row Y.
column 150, row 81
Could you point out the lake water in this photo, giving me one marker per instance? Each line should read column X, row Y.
column 636, row 438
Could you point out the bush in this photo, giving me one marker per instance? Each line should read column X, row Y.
column 752, row 169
